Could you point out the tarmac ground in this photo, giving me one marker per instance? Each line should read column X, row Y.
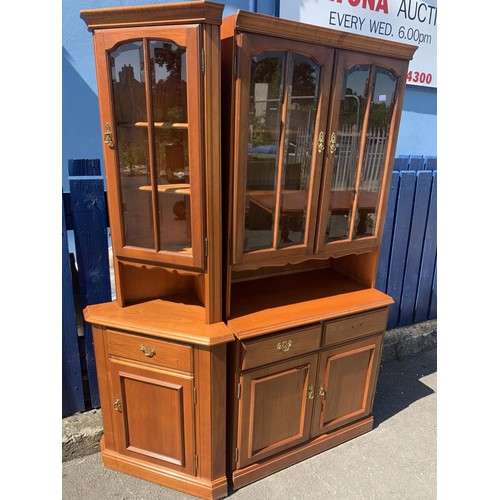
column 396, row 460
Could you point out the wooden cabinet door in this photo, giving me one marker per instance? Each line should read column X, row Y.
column 153, row 415
column 347, row 378
column 150, row 88
column 367, row 97
column 275, row 408
column 282, row 92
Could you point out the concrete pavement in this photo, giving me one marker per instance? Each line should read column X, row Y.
column 396, row 460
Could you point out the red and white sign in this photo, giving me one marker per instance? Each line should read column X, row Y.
column 406, row 21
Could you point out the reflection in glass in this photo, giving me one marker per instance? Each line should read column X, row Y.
column 379, row 122
column 266, row 91
column 169, row 104
column 129, row 101
column 352, row 111
column 299, row 135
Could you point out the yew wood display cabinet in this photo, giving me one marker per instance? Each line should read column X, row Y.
column 247, row 163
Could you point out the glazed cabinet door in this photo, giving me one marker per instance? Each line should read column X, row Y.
column 366, row 105
column 153, row 415
column 275, row 408
column 347, row 377
column 149, row 82
column 282, row 91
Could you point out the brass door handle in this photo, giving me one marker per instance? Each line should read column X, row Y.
column 321, row 142
column 321, row 391
column 118, row 406
column 149, row 351
column 333, row 143
column 310, row 392
column 108, row 136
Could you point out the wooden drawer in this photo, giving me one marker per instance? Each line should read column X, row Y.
column 353, row 327
column 150, row 350
column 280, row 347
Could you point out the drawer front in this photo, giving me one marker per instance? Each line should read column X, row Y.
column 149, row 350
column 353, row 327
column 280, row 347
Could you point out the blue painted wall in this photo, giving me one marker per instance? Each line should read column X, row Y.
column 80, row 111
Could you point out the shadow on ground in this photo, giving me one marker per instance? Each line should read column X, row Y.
column 399, row 384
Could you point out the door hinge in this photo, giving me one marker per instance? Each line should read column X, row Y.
column 203, row 60
column 206, row 247
column 236, row 455
column 195, row 396
column 196, row 461
column 239, row 391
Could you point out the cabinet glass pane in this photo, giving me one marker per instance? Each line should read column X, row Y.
column 379, row 123
column 169, row 106
column 266, row 91
column 129, row 101
column 299, row 134
column 352, row 110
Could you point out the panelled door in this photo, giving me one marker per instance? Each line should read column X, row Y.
column 153, row 415
column 346, row 384
column 282, row 92
column 150, row 88
column 275, row 408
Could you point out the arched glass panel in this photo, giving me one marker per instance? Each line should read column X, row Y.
column 266, row 94
column 129, row 102
column 302, row 107
column 348, row 137
column 377, row 135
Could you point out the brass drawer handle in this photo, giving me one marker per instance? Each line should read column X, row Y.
column 310, row 392
column 148, row 351
column 284, row 346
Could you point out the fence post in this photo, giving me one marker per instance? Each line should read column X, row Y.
column 385, row 249
column 72, row 386
column 423, row 298
column 415, row 246
column 400, row 243
column 88, row 206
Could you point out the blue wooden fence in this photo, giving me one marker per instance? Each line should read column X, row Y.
column 86, row 214
column 407, row 265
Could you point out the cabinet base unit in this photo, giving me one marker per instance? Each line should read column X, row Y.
column 161, row 374
column 305, row 381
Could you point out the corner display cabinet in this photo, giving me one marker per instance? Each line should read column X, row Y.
column 160, row 347
column 246, row 334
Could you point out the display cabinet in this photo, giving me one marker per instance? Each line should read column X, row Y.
column 313, row 116
column 246, row 334
column 158, row 75
column 160, row 348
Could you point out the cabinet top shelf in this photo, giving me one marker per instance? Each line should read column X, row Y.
column 275, row 303
column 179, row 318
column 277, row 27
column 153, row 15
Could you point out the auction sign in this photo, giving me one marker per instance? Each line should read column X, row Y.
column 407, row 21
